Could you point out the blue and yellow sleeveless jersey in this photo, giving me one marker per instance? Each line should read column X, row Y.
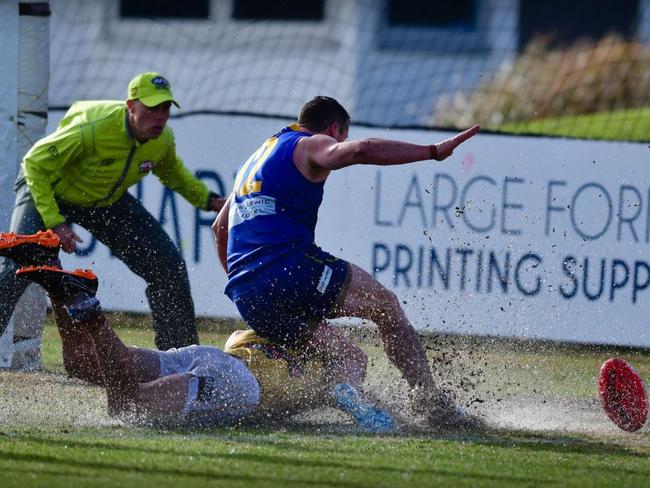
column 274, row 209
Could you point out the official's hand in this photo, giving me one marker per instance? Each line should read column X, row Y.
column 68, row 237
column 216, row 204
column 445, row 148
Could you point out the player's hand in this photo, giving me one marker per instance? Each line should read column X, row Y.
column 445, row 148
column 68, row 237
column 216, row 204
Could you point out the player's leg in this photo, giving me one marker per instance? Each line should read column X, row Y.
column 123, row 375
column 132, row 377
column 163, row 399
column 119, row 367
column 366, row 298
column 76, row 291
column 116, row 364
column 346, row 367
column 200, row 385
column 216, row 386
column 79, row 354
column 137, row 239
column 78, row 350
column 344, row 360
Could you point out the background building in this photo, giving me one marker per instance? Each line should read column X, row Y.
column 391, row 62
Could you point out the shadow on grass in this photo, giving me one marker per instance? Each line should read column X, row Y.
column 276, row 436
column 295, row 461
column 148, row 471
column 565, row 444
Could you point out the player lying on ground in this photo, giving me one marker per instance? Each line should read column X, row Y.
column 195, row 385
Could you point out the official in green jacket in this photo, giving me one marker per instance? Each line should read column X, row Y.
column 81, row 173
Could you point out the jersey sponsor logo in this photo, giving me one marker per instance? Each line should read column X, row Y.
column 253, row 207
column 324, row 279
column 106, row 162
column 54, row 152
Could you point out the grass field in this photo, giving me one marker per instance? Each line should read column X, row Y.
column 547, row 429
column 546, row 426
column 623, row 125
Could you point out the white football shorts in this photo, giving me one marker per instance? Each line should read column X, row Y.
column 221, row 389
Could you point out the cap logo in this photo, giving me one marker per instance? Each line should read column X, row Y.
column 160, row 82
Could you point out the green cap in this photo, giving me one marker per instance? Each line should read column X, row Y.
column 151, row 89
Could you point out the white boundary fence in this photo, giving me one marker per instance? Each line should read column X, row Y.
column 523, row 237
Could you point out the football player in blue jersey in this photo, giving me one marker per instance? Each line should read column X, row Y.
column 283, row 284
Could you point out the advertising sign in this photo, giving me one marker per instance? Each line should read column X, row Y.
column 511, row 236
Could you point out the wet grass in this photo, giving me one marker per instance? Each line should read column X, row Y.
column 67, row 439
column 246, row 457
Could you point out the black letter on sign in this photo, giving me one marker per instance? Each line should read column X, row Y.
column 616, row 283
column 376, row 267
column 568, row 266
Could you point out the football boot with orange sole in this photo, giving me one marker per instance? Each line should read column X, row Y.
column 76, row 289
column 40, row 249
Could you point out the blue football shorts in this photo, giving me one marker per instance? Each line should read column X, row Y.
column 285, row 301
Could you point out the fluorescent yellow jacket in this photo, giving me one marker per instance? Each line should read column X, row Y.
column 91, row 160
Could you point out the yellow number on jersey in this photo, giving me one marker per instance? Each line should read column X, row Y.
column 245, row 184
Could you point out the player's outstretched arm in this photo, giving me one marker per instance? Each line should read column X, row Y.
column 445, row 148
column 324, row 152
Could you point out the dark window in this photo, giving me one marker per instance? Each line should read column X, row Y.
column 567, row 21
column 278, row 9
column 432, row 13
column 165, row 9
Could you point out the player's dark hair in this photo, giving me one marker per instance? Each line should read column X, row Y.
column 318, row 113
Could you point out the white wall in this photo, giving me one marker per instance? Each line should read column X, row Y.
column 532, row 202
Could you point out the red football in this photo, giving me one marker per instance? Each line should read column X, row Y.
column 623, row 394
